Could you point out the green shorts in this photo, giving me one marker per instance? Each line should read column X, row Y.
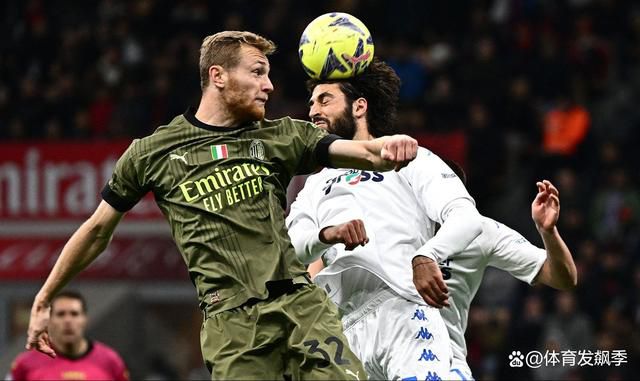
column 296, row 335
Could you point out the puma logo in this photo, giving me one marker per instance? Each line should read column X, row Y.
column 355, row 375
column 173, row 156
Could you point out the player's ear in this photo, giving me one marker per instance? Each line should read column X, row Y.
column 217, row 76
column 359, row 108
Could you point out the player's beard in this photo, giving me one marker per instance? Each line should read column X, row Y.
column 344, row 125
column 243, row 109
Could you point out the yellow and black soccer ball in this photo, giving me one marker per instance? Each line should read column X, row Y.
column 335, row 45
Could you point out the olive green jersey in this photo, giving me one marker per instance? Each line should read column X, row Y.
column 223, row 190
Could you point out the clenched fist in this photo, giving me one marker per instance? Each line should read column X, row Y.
column 352, row 234
column 398, row 150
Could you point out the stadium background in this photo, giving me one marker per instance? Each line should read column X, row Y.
column 514, row 90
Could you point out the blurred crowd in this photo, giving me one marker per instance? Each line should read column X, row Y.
column 522, row 89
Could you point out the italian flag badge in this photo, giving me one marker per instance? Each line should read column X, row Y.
column 219, row 152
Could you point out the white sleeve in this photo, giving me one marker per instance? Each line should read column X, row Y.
column 434, row 184
column 462, row 224
column 303, row 227
column 514, row 254
column 445, row 200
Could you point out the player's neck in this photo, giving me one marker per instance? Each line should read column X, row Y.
column 362, row 133
column 73, row 350
column 213, row 112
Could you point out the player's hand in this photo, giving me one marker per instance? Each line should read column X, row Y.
column 398, row 150
column 427, row 278
column 545, row 208
column 37, row 336
column 351, row 233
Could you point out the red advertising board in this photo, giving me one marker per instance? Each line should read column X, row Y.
column 59, row 180
column 125, row 258
column 48, row 189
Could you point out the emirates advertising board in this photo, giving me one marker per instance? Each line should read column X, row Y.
column 48, row 189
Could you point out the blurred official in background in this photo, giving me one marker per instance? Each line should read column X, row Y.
column 77, row 357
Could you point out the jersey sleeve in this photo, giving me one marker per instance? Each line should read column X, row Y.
column 314, row 143
column 119, row 371
column 515, row 254
column 434, row 184
column 303, row 227
column 17, row 371
column 444, row 199
column 127, row 184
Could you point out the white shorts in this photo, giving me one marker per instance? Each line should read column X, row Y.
column 397, row 339
column 460, row 371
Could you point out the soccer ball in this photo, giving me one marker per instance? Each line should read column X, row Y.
column 335, row 45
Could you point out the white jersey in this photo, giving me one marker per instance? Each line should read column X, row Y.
column 399, row 210
column 498, row 246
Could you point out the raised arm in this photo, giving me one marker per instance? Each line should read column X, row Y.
column 445, row 200
column 559, row 270
column 383, row 154
column 91, row 238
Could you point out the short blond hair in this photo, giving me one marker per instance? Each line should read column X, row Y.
column 223, row 49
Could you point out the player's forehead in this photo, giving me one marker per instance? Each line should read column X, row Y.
column 250, row 56
column 326, row 90
column 66, row 305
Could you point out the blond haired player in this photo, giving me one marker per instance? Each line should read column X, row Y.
column 219, row 174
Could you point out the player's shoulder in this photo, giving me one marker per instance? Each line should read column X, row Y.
column 424, row 154
column 177, row 125
column 26, row 358
column 158, row 142
column 424, row 162
column 102, row 347
column 496, row 228
column 286, row 128
column 286, row 122
column 491, row 227
column 106, row 351
column 497, row 234
column 169, row 131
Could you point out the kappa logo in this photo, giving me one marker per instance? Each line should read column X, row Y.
column 256, row 149
column 350, row 373
column 182, row 157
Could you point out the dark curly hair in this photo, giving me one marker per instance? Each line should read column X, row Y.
column 379, row 85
